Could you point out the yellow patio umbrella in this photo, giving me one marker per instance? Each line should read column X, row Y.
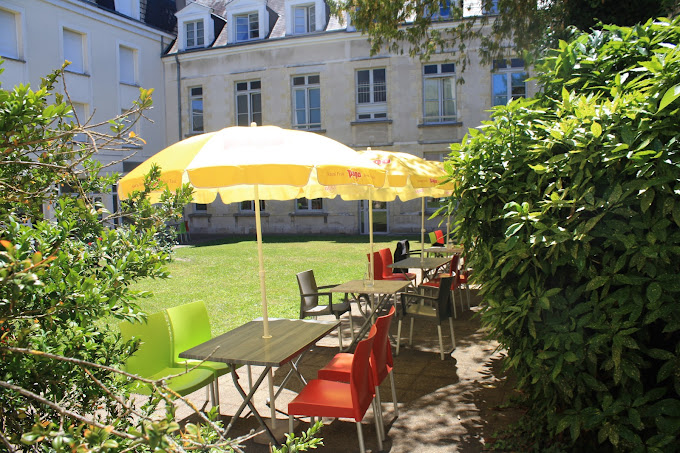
column 408, row 177
column 260, row 163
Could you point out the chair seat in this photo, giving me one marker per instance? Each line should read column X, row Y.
column 338, row 307
column 218, row 368
column 422, row 310
column 183, row 384
column 407, row 276
column 322, row 398
column 338, row 369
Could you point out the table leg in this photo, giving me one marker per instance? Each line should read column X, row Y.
column 366, row 326
column 247, row 401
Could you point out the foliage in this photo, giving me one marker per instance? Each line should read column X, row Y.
column 568, row 205
column 306, row 442
column 428, row 26
column 63, row 271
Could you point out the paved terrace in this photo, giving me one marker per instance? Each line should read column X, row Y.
column 454, row 405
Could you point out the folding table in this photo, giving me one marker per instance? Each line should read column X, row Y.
column 383, row 289
column 426, row 264
column 290, row 338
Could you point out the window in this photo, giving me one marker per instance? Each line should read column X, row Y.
column 303, row 204
column 247, row 27
column 248, row 103
column 439, row 95
column 200, row 208
column 307, row 102
column 9, row 39
column 196, row 106
column 491, row 9
column 195, row 35
column 305, row 19
column 74, row 50
column 128, row 65
column 249, row 206
column 371, row 94
column 444, row 11
column 508, row 81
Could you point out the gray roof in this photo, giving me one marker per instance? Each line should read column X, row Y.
column 277, row 23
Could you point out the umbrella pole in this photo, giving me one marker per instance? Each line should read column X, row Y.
column 422, row 227
column 370, row 233
column 260, row 257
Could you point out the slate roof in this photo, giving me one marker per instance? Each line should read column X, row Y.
column 154, row 13
column 277, row 23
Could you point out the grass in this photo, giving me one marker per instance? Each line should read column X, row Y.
column 224, row 274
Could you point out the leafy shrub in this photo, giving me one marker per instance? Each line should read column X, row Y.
column 568, row 204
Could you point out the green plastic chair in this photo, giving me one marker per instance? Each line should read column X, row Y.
column 190, row 326
column 154, row 359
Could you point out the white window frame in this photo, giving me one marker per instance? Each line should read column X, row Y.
column 81, row 66
column 128, row 71
column 442, row 76
column 308, row 16
column 320, row 14
column 312, row 82
column 372, row 109
column 252, row 17
column 128, row 8
column 307, row 205
column 507, row 71
column 193, row 116
column 192, row 27
column 11, row 42
column 251, row 90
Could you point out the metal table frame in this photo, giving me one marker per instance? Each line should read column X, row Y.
column 290, row 338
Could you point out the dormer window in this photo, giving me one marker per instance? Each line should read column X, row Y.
column 195, row 34
column 305, row 19
column 247, row 26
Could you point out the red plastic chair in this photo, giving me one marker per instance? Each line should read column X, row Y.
column 382, row 363
column 464, row 277
column 455, row 283
column 387, row 272
column 439, row 234
column 324, row 398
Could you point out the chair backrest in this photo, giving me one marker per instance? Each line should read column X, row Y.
column 377, row 266
column 381, row 354
column 432, row 237
column 401, row 250
column 155, row 350
column 439, row 235
column 455, row 260
column 386, row 258
column 444, row 308
column 308, row 289
column 360, row 378
column 189, row 325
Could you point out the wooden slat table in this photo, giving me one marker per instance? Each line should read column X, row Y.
column 290, row 338
column 446, row 250
column 383, row 289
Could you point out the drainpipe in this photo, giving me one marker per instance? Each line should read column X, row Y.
column 179, row 99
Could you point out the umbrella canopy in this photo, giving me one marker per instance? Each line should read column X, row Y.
column 260, row 163
column 408, row 177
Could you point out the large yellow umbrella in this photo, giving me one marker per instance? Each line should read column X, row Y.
column 408, row 177
column 260, row 163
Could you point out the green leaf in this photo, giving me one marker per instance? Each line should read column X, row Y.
column 646, row 199
column 671, row 95
column 654, row 292
column 513, row 229
column 597, row 282
column 596, row 129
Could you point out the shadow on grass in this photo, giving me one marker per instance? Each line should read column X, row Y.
column 203, row 241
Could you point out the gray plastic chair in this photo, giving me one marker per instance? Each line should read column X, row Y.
column 435, row 308
column 309, row 302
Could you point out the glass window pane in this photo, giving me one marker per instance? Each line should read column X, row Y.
column 300, row 99
column 314, row 79
column 500, row 89
column 256, row 101
column 301, row 204
column 242, row 86
column 312, row 18
column 257, row 118
column 197, row 91
column 242, row 119
column 431, row 89
column 317, row 203
column 255, row 85
column 448, row 67
column 242, row 104
column 199, row 33
column 300, row 21
column 241, row 28
column 315, row 116
column 447, row 86
column 8, row 34
column 300, row 116
column 73, row 50
column 298, row 80
column 127, row 65
column 254, row 27
column 449, row 109
column 431, row 108
column 314, row 98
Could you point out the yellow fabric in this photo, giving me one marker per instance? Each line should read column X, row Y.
column 285, row 164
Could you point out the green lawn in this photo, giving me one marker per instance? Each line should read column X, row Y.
column 224, row 274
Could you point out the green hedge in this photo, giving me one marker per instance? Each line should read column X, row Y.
column 569, row 206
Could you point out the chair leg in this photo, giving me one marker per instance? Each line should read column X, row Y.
column 394, row 394
column 441, row 341
column 351, row 324
column 379, row 414
column 453, row 302
column 340, row 334
column 360, row 433
column 398, row 336
column 410, row 335
column 290, row 424
column 453, row 337
column 467, row 293
column 378, row 431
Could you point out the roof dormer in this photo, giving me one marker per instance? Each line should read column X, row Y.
column 195, row 29
column 305, row 16
column 247, row 20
